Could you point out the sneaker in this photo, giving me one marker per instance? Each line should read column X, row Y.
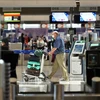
column 47, row 78
column 62, row 79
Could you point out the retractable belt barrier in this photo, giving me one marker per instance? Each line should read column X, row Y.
column 31, row 51
column 24, row 51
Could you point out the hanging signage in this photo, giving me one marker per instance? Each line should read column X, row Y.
column 11, row 9
column 88, row 8
column 60, row 26
column 60, row 9
column 44, row 25
column 90, row 25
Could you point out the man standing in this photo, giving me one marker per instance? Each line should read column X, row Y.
column 58, row 49
column 22, row 40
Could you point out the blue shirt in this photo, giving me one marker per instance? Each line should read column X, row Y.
column 59, row 44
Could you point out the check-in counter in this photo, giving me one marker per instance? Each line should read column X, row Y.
column 92, row 65
column 17, row 46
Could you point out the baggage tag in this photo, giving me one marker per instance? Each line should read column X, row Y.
column 33, row 65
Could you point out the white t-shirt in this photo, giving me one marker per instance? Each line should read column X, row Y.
column 40, row 43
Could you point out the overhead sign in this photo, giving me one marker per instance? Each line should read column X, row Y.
column 8, row 9
column 60, row 9
column 88, row 8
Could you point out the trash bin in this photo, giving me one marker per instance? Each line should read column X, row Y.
column 96, row 84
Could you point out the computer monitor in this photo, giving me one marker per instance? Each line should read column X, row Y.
column 78, row 48
column 87, row 16
column 59, row 17
column 93, row 60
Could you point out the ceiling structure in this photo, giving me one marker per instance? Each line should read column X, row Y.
column 41, row 9
column 89, row 3
column 48, row 3
column 37, row 3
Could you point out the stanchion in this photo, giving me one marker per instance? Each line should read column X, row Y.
column 7, row 82
column 13, row 92
column 58, row 92
column 96, row 84
column 2, row 80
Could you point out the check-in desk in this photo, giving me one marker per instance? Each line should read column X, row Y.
column 17, row 46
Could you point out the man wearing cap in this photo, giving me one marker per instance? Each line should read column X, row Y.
column 58, row 50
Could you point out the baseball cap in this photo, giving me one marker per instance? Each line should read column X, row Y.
column 55, row 32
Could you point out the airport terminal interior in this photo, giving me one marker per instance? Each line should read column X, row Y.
column 39, row 37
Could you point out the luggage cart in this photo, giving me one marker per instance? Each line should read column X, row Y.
column 36, row 75
column 35, row 82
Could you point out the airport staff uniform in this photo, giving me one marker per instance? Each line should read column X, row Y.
column 59, row 59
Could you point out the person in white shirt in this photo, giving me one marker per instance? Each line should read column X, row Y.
column 40, row 43
column 31, row 43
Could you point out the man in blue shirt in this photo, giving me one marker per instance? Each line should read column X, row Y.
column 58, row 50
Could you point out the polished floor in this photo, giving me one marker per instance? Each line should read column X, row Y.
column 70, row 85
column 47, row 70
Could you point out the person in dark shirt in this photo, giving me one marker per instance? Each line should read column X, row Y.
column 22, row 40
column 45, row 40
column 9, row 38
column 68, row 45
column 9, row 57
column 5, row 44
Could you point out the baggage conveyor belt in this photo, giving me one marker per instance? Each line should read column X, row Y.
column 50, row 97
column 69, row 95
column 29, row 87
column 47, row 87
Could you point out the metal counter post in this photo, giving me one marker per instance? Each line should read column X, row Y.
column 58, row 92
column 2, row 80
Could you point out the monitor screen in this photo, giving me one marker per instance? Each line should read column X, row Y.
column 93, row 45
column 87, row 16
column 12, row 17
column 59, row 17
column 78, row 48
column 93, row 60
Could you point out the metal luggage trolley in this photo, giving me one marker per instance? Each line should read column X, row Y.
column 38, row 75
column 34, row 83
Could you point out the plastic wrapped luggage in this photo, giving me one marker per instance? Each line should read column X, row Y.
column 35, row 66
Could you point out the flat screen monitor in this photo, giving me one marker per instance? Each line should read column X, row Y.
column 78, row 48
column 87, row 17
column 93, row 45
column 59, row 17
column 12, row 17
column 93, row 60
